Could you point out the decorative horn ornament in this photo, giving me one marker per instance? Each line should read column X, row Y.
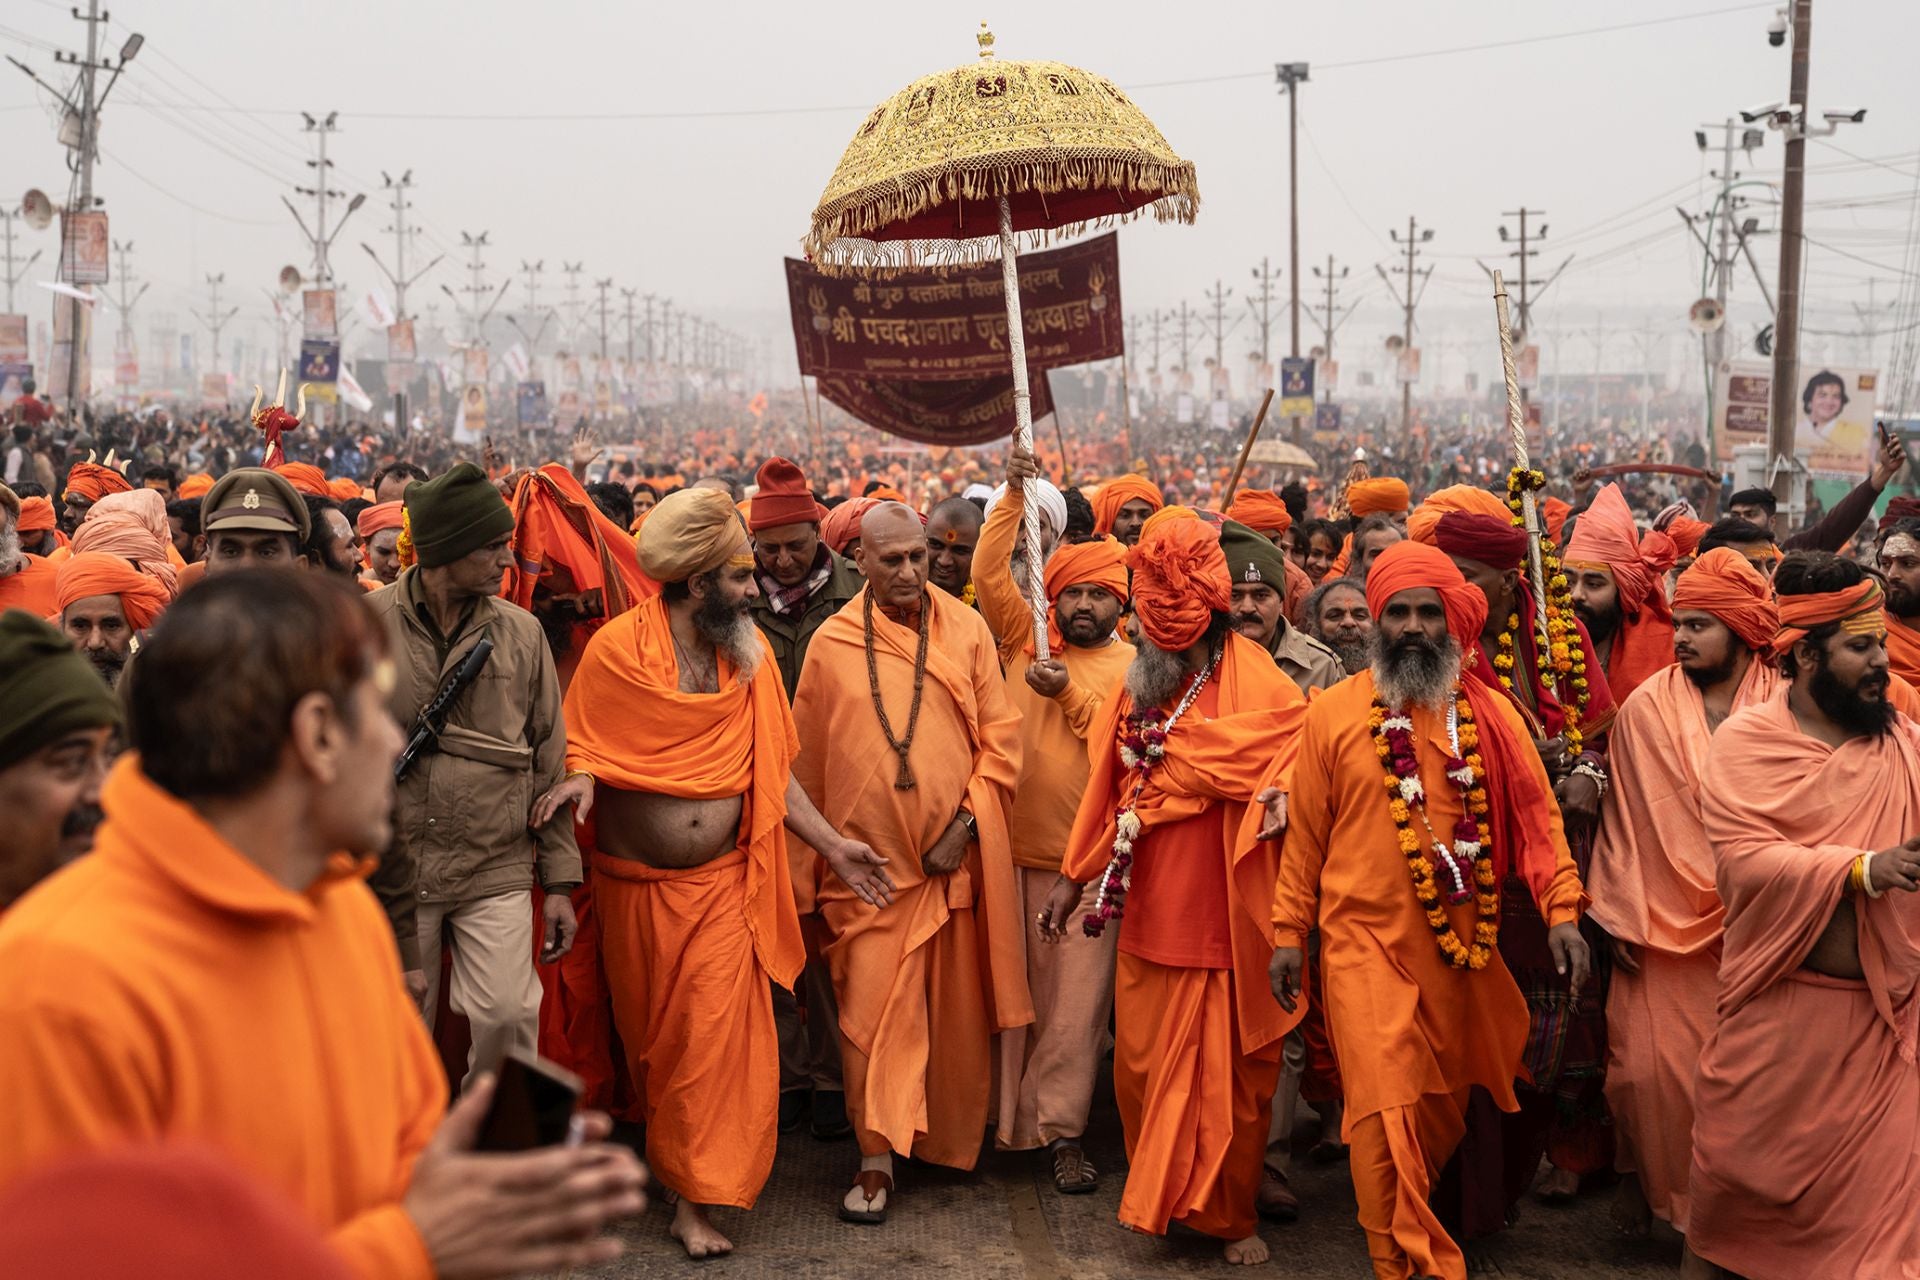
column 258, row 395
column 300, row 407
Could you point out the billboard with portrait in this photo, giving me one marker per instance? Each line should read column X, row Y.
column 1833, row 414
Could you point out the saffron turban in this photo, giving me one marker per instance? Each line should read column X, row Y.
column 1117, row 493
column 887, row 493
column 306, row 478
column 1852, row 607
column 1494, row 541
column 194, row 486
column 343, row 489
column 1179, row 582
column 1686, row 533
column 842, row 524
column 1100, row 563
column 689, row 533
column 133, row 526
column 1725, row 584
column 381, row 515
column 90, row 482
column 1605, row 537
column 1408, row 565
column 1454, row 498
column 1042, row 493
column 1553, row 514
column 782, row 497
column 1379, row 495
column 96, row 573
column 36, row 515
column 1261, row 511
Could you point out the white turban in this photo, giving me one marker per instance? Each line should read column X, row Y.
column 1052, row 503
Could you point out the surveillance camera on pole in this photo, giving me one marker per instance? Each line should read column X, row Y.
column 1777, row 28
column 1753, row 115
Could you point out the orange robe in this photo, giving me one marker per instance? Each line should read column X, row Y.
column 1903, row 649
column 1413, row 1035
column 924, row 982
column 1197, row 1053
column 165, row 989
column 688, row 953
column 1652, row 886
column 1806, row 1137
column 31, row 587
column 1642, row 647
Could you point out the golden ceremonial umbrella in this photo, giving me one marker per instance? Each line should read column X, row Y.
column 954, row 167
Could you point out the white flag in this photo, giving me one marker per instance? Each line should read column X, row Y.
column 517, row 363
column 376, row 307
column 351, row 391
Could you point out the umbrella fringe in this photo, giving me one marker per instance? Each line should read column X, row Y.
column 839, row 238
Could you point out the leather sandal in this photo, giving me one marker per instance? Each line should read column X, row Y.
column 1276, row 1202
column 1073, row 1174
column 871, row 1183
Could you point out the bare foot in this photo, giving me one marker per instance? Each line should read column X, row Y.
column 1632, row 1217
column 1556, row 1185
column 695, row 1231
column 1250, row 1252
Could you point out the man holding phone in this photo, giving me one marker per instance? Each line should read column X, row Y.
column 216, row 972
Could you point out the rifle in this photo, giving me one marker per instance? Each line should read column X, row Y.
column 433, row 717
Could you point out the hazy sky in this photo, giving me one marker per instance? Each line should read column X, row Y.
column 1596, row 129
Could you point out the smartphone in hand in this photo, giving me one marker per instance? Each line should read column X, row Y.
column 534, row 1102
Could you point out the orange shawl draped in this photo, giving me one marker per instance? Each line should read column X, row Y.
column 1903, row 649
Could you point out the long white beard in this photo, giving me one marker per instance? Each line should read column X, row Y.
column 736, row 636
column 1415, row 677
column 1154, row 676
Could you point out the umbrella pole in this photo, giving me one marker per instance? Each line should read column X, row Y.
column 1023, row 424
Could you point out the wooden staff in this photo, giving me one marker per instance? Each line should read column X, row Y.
column 1517, row 432
column 1233, row 481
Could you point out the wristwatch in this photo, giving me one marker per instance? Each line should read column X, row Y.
column 973, row 828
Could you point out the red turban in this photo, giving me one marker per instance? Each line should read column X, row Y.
column 842, row 524
column 96, row 573
column 381, row 515
column 1725, row 584
column 36, row 515
column 1898, row 509
column 1261, row 511
column 1605, row 537
column 1379, row 495
column 1494, row 541
column 1459, row 497
column 305, row 477
column 783, row 497
column 1117, row 493
column 194, row 486
column 1855, row 606
column 1407, row 565
column 343, row 489
column 131, row 525
column 1179, row 582
column 91, row 482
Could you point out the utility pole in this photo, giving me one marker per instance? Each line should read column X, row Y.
column 1415, row 275
column 1713, row 344
column 122, row 277
column 319, row 237
column 1869, row 316
column 1599, row 335
column 1291, row 76
column 572, row 270
column 14, row 277
column 1186, row 318
column 399, row 279
column 1263, row 275
column 649, row 300
column 1330, row 280
column 1783, row 420
column 1220, row 328
column 1525, row 253
column 215, row 319
column 474, row 312
column 628, row 295
column 1158, row 322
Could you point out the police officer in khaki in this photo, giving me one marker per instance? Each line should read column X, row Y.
column 462, row 844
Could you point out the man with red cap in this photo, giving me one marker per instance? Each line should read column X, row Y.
column 1047, row 1071
column 104, row 602
column 1618, row 579
column 1404, row 887
column 87, row 483
column 1122, row 505
column 1170, row 828
column 26, row 581
column 1652, row 876
column 802, row 582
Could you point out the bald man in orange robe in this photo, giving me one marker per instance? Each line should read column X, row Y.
column 679, row 726
column 1652, row 876
column 1618, row 583
column 1417, row 1028
column 1197, row 1036
column 1806, row 1133
column 908, row 744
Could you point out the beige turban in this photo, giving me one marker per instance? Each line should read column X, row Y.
column 689, row 533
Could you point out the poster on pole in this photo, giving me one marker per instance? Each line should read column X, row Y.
column 213, row 391
column 83, row 248
column 530, row 404
column 470, row 423
column 1833, row 414
column 474, row 364
column 318, row 319
column 1409, row 365
column 13, row 339
column 319, row 362
column 1526, row 364
column 400, row 343
column 1326, row 422
column 1296, row 387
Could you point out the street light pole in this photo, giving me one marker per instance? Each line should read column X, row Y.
column 1782, row 419
column 1291, row 76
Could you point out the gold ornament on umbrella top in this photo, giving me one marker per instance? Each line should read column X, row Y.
column 955, row 167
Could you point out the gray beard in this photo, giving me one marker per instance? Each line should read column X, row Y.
column 1420, row 675
column 1155, row 676
column 1354, row 657
column 732, row 633
column 9, row 551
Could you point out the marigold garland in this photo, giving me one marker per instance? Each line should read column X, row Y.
column 403, row 545
column 1472, row 836
column 1564, row 663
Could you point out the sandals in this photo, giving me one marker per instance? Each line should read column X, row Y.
column 871, row 1183
column 1276, row 1202
column 1072, row 1174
